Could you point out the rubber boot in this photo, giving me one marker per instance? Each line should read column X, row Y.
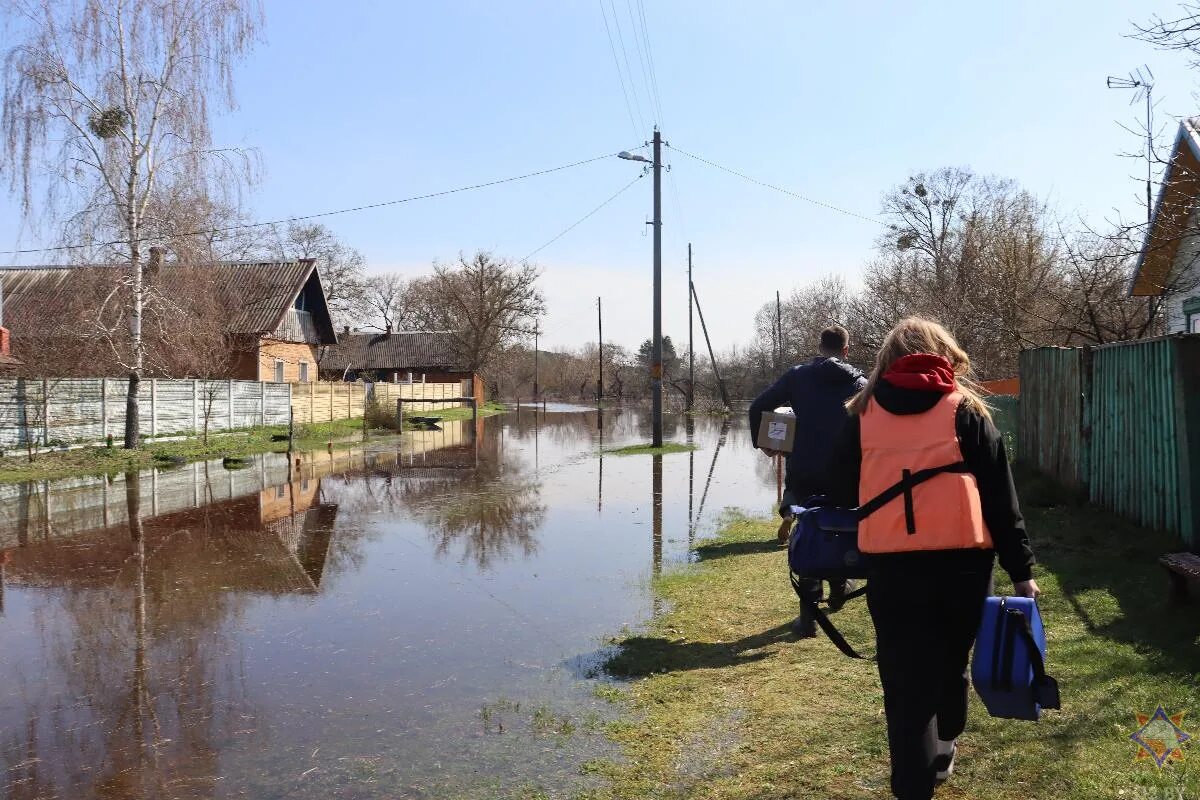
column 804, row 626
column 838, row 591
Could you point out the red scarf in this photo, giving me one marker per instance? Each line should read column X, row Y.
column 923, row 371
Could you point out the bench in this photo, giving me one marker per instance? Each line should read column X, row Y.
column 1182, row 569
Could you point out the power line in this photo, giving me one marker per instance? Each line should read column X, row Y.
column 764, row 184
column 620, row 75
column 650, row 59
column 583, row 219
column 629, row 70
column 637, row 46
column 368, row 207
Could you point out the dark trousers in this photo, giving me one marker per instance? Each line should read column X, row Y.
column 925, row 625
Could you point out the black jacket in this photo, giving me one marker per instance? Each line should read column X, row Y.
column 982, row 449
column 817, row 393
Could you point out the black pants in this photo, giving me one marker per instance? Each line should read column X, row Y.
column 925, row 625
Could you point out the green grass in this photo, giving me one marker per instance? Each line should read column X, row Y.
column 649, row 450
column 725, row 703
column 452, row 414
column 16, row 467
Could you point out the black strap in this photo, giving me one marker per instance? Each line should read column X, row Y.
column 822, row 619
column 910, row 523
column 1045, row 688
column 905, row 485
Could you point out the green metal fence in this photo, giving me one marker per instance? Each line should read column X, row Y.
column 1121, row 421
column 1006, row 413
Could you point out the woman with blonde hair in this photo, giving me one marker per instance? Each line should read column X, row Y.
column 922, row 459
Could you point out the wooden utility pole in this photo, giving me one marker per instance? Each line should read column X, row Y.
column 600, row 347
column 778, row 333
column 691, row 397
column 535, row 363
column 712, row 358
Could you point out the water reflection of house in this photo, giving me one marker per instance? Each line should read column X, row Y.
column 272, row 542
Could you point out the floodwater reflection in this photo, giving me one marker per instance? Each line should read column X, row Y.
column 359, row 623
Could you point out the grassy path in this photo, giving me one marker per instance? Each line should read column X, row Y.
column 724, row 703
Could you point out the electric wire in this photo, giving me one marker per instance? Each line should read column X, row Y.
column 637, row 46
column 628, row 69
column 620, row 75
column 650, row 61
column 789, row 192
column 299, row 218
column 583, row 219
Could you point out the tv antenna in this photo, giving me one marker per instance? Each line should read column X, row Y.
column 1141, row 80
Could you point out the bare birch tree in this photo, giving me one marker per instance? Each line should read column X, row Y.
column 106, row 103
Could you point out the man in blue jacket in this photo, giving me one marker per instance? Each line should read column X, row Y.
column 817, row 393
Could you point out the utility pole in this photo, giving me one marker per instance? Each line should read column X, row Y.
column 778, row 334
column 535, row 364
column 691, row 398
column 600, row 347
column 712, row 358
column 656, row 366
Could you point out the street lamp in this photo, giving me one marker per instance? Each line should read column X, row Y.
column 657, row 357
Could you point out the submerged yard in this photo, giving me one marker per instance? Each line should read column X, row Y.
column 725, row 703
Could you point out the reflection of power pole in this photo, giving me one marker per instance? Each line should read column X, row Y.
column 657, row 503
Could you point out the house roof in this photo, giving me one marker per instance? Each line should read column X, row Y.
column 1172, row 212
column 263, row 291
column 407, row 350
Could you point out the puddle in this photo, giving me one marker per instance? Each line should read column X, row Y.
column 418, row 617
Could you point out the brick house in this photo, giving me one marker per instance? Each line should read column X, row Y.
column 270, row 317
column 405, row 356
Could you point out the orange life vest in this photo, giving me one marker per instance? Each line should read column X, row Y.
column 915, row 492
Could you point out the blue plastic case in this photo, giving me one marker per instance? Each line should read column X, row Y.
column 1008, row 667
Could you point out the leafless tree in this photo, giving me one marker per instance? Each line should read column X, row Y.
column 108, row 101
column 386, row 302
column 341, row 266
column 488, row 302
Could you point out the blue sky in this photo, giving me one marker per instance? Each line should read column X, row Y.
column 360, row 102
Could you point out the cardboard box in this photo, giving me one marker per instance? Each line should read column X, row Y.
column 777, row 431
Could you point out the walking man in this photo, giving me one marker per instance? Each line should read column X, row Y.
column 817, row 393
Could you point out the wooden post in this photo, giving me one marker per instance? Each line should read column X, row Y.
column 229, row 405
column 331, row 401
column 104, row 410
column 400, row 412
column 474, row 413
column 195, row 408
column 45, row 413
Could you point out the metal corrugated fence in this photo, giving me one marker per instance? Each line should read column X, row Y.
column 1121, row 421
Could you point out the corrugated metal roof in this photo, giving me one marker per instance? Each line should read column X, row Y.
column 408, row 350
column 261, row 291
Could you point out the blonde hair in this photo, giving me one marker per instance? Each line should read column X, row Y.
column 920, row 335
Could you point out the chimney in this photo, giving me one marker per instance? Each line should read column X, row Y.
column 155, row 262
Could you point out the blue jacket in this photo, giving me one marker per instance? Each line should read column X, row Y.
column 817, row 393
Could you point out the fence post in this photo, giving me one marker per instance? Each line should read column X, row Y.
column 104, row 410
column 262, row 404
column 45, row 413
column 230, row 406
column 331, row 401
column 290, row 421
column 400, row 412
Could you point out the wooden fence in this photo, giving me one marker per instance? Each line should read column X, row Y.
column 332, row 400
column 1121, row 422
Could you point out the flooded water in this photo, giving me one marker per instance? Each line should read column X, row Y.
column 418, row 617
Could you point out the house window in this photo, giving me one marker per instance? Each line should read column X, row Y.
column 1191, row 315
column 278, row 370
column 304, row 372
